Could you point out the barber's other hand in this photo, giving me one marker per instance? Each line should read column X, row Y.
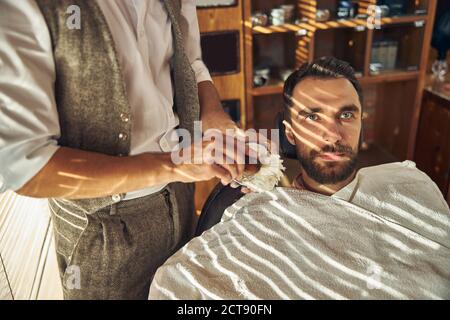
column 210, row 159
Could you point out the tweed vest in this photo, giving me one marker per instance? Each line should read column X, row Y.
column 94, row 112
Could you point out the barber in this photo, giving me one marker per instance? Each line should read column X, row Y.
column 87, row 116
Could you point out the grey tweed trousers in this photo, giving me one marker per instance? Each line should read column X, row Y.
column 114, row 252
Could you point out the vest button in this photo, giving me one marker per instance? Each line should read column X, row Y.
column 124, row 117
column 123, row 136
column 116, row 198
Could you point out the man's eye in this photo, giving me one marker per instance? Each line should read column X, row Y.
column 346, row 115
column 312, row 117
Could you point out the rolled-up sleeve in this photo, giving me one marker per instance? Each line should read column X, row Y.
column 192, row 39
column 29, row 126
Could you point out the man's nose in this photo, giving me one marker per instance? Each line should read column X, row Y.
column 331, row 133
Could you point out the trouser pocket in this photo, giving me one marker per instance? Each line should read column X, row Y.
column 173, row 217
column 117, row 254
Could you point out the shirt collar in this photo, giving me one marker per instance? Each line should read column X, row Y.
column 298, row 182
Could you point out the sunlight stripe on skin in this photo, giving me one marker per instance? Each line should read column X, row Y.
column 74, row 176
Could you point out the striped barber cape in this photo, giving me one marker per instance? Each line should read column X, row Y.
column 386, row 235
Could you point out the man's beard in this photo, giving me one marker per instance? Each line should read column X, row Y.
column 330, row 172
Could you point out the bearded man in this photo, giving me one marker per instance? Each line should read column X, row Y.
column 380, row 233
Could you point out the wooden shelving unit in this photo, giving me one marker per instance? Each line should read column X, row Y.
column 392, row 98
column 276, row 86
column 217, row 20
column 313, row 26
column 392, row 120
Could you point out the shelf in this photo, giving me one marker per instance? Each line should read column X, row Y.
column 311, row 26
column 390, row 76
column 274, row 87
column 404, row 19
column 281, row 28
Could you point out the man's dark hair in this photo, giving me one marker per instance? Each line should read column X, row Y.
column 322, row 68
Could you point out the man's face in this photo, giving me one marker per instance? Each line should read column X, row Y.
column 325, row 128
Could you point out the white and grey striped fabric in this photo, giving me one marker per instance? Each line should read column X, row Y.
column 28, row 267
column 384, row 236
column 5, row 288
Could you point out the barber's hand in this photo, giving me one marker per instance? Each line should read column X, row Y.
column 211, row 159
column 220, row 121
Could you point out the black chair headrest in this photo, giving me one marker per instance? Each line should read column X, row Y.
column 286, row 148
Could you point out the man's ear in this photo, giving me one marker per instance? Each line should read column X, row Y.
column 289, row 133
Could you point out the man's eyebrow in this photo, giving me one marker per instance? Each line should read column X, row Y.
column 307, row 111
column 349, row 107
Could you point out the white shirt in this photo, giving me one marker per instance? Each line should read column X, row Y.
column 29, row 126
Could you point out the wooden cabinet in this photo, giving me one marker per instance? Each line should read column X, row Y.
column 390, row 59
column 222, row 39
column 389, row 56
column 432, row 154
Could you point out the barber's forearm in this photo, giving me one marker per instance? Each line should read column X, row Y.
column 76, row 174
column 211, row 111
column 209, row 100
